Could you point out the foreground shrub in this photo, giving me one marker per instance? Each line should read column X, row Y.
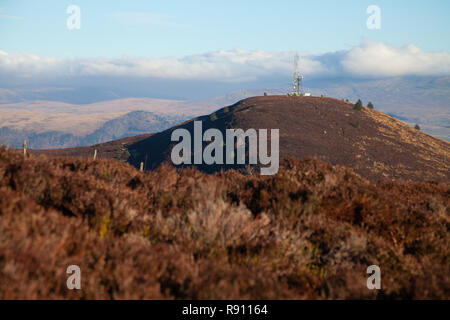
column 308, row 232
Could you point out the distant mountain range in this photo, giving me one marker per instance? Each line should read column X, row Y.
column 130, row 124
column 62, row 122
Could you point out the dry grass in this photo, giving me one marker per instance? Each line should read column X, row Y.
column 81, row 119
column 308, row 232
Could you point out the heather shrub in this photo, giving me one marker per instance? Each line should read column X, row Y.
column 308, row 232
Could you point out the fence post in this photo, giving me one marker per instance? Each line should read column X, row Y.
column 24, row 148
column 142, row 167
column 95, row 154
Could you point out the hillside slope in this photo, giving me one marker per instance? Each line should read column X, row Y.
column 116, row 149
column 374, row 144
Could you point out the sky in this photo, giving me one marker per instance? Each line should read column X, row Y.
column 251, row 43
column 156, row 29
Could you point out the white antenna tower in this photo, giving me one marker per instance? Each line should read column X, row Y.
column 298, row 78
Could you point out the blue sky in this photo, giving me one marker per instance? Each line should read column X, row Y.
column 155, row 29
column 192, row 49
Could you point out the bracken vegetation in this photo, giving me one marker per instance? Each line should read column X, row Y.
column 308, row 232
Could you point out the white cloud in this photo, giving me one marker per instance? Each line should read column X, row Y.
column 371, row 59
column 378, row 59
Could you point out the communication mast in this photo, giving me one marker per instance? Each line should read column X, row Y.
column 297, row 80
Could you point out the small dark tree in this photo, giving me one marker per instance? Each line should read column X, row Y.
column 417, row 127
column 358, row 105
column 370, row 105
column 265, row 94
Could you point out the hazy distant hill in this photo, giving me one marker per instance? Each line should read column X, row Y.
column 130, row 124
column 83, row 119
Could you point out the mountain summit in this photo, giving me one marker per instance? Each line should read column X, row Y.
column 373, row 143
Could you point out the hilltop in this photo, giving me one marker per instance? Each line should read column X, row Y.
column 372, row 143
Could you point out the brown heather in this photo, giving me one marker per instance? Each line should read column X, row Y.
column 308, row 232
